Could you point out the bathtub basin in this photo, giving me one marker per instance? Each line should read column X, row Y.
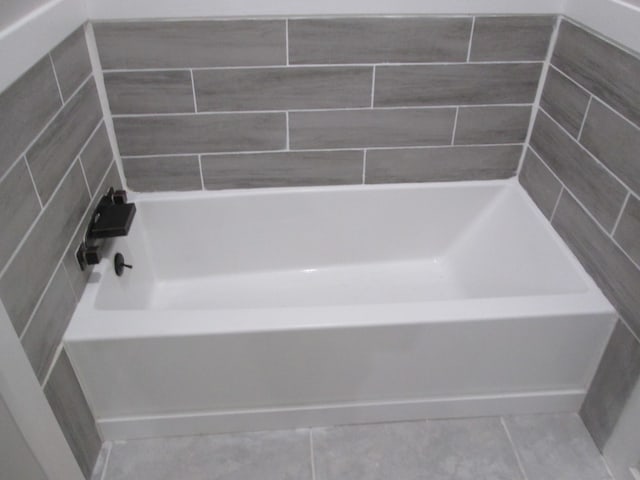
column 259, row 309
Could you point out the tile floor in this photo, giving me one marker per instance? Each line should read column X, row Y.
column 528, row 447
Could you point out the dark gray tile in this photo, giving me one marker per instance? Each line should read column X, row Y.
column 442, row 164
column 371, row 128
column 200, row 133
column 378, row 40
column 614, row 141
column 416, row 85
column 596, row 188
column 28, row 273
column 555, row 446
column 282, row 169
column 50, row 157
column 628, row 231
column 614, row 273
column 283, row 88
column 600, row 67
column 96, row 157
column 71, row 62
column 511, row 38
column 49, row 323
column 540, row 183
column 25, row 108
column 565, row 101
column 477, row 125
column 149, row 92
column 191, row 44
column 72, row 412
column 611, row 387
column 19, row 207
column 152, row 174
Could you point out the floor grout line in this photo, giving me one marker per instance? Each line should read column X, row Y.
column 473, row 25
column 312, row 455
column 584, row 118
column 514, row 448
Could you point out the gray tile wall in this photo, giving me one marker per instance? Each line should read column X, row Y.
column 56, row 162
column 582, row 169
column 255, row 103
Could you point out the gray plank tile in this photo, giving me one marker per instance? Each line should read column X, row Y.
column 511, row 38
column 49, row 323
column 28, row 273
column 612, row 384
column 443, row 449
column 167, row 91
column 263, row 455
column 96, row 157
column 282, row 169
column 500, row 124
column 71, row 62
column 25, row 108
column 614, row 141
column 614, row 273
column 283, row 88
column 50, row 157
column 371, row 128
column 596, row 188
column 540, row 183
column 628, row 231
column 153, row 174
column 72, row 412
column 565, row 101
column 465, row 84
column 200, row 133
column 600, row 67
column 19, row 207
column 442, row 164
column 190, row 44
column 378, row 40
column 555, row 446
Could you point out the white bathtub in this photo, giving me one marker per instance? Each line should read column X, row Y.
column 249, row 310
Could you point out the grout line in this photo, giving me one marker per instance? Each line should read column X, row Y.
column 514, row 448
column 473, row 25
column 54, row 359
column 201, row 174
column 555, row 207
column 613, row 110
column 287, row 141
column 584, row 119
column 617, row 222
column 455, row 126
column 33, row 180
column 55, row 75
column 84, row 175
column 364, row 166
column 193, row 90
column 373, row 85
column 312, row 455
column 103, row 475
column 286, row 39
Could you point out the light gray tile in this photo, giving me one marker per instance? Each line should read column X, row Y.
column 371, row 128
column 19, row 207
column 600, row 67
column 263, row 455
column 501, row 124
column 25, row 108
column 153, row 174
column 467, row 449
column 614, row 273
column 49, row 323
column 442, row 164
column 511, row 38
column 171, row 134
column 469, row 84
column 565, row 101
column 72, row 412
column 50, row 157
column 283, row 88
column 282, row 169
column 612, row 384
column 378, row 40
column 96, row 157
column 191, row 44
column 28, row 273
column 614, row 141
column 167, row 91
column 628, row 231
column 540, row 183
column 556, row 446
column 71, row 62
column 596, row 188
